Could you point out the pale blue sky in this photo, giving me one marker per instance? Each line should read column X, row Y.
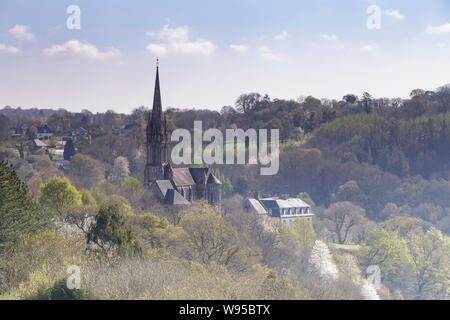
column 212, row 51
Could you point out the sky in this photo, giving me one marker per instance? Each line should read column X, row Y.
column 212, row 51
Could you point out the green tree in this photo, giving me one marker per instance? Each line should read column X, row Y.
column 69, row 150
column 112, row 234
column 85, row 171
column 242, row 186
column 430, row 253
column 59, row 291
column 305, row 197
column 344, row 217
column 59, row 196
column 388, row 251
column 19, row 213
column 350, row 191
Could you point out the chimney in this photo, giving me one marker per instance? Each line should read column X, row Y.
column 257, row 195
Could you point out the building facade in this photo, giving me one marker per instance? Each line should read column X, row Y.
column 286, row 209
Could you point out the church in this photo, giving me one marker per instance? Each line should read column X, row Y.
column 180, row 185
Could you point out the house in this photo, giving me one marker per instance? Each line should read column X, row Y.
column 72, row 135
column 174, row 186
column 284, row 208
column 38, row 144
column 44, row 132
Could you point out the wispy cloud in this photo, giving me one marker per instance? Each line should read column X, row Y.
column 267, row 54
column 282, row 36
column 78, row 48
column 241, row 48
column 394, row 14
column 176, row 40
column 21, row 32
column 329, row 37
column 368, row 48
column 445, row 28
column 9, row 49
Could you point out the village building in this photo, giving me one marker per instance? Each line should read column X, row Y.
column 44, row 132
column 284, row 208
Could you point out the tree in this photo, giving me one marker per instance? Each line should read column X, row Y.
column 5, row 123
column 69, row 150
column 248, row 102
column 85, row 171
column 212, row 239
column 112, row 234
column 344, row 216
column 367, row 102
column 302, row 231
column 59, row 291
column 305, row 197
column 350, row 191
column 242, row 186
column 350, row 98
column 430, row 253
column 386, row 250
column 59, row 196
column 19, row 213
column 322, row 261
column 120, row 169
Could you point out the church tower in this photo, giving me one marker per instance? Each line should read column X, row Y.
column 157, row 139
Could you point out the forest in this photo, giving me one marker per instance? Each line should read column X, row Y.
column 376, row 172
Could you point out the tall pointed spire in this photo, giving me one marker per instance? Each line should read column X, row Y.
column 154, row 127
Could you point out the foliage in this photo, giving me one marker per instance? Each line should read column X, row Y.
column 59, row 291
column 110, row 232
column 58, row 195
column 69, row 150
column 19, row 213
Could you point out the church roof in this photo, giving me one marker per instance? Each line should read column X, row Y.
column 212, row 179
column 164, row 186
column 173, row 197
column 182, row 177
column 199, row 174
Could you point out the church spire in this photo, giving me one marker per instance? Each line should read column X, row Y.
column 154, row 127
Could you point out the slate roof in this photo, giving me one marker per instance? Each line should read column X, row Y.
column 39, row 143
column 174, row 198
column 164, row 185
column 213, row 179
column 199, row 174
column 182, row 177
column 256, row 206
column 284, row 203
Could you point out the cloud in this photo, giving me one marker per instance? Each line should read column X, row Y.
column 329, row 37
column 445, row 28
column 21, row 32
column 394, row 14
column 282, row 36
column 241, row 48
column 78, row 48
column 368, row 48
column 267, row 54
column 9, row 49
column 176, row 40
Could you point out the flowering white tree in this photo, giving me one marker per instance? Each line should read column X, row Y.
column 321, row 260
column 369, row 292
